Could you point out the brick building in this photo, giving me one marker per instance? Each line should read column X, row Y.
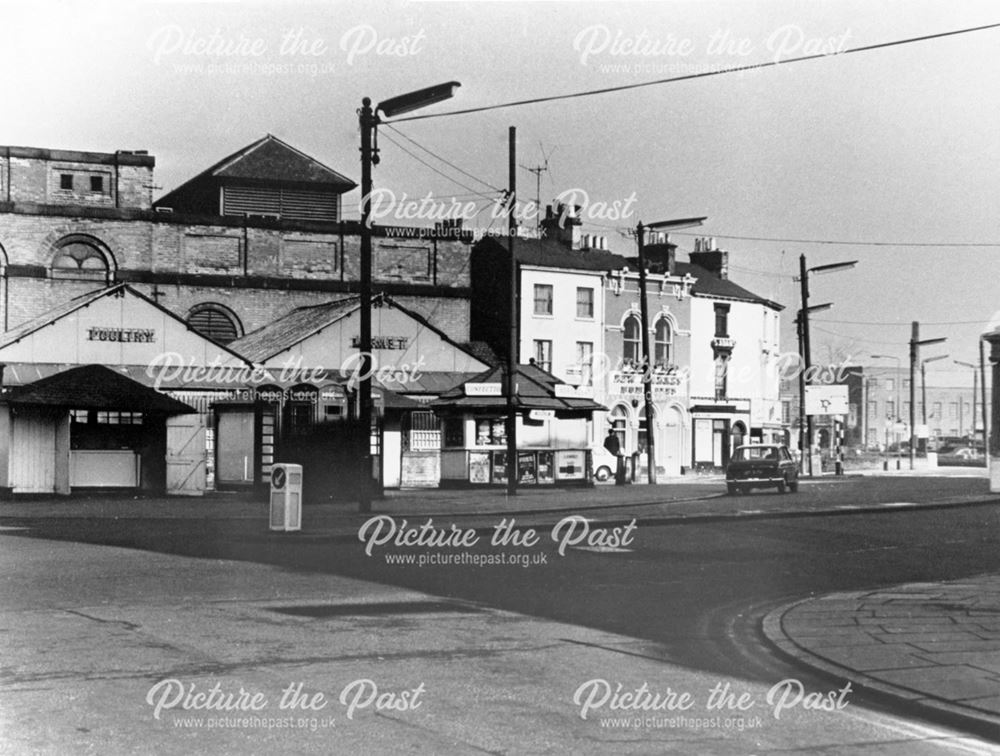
column 71, row 222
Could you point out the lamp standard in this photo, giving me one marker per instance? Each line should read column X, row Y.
column 923, row 390
column 647, row 363
column 800, row 319
column 895, row 408
column 368, row 120
column 923, row 383
column 915, row 343
column 804, row 326
column 975, row 390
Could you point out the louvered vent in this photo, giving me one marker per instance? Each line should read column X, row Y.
column 296, row 204
column 215, row 324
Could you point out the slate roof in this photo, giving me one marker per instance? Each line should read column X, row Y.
column 94, row 387
column 293, row 328
column 268, row 160
column 535, row 390
column 303, row 322
column 552, row 254
column 710, row 285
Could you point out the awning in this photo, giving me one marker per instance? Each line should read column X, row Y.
column 536, row 389
column 94, row 387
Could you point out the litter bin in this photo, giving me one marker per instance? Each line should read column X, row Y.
column 286, row 497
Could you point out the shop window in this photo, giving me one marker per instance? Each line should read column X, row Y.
column 118, row 418
column 543, row 354
column 215, row 322
column 663, row 341
column 631, row 342
column 491, row 431
column 584, row 302
column 80, row 258
column 79, row 416
column 543, row 299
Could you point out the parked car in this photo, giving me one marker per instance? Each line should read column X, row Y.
column 762, row 466
column 603, row 464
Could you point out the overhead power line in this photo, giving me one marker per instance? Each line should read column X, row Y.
column 702, row 75
column 464, row 172
column 845, row 243
column 436, row 170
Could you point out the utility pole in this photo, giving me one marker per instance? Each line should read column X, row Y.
column 515, row 316
column 915, row 344
column 806, row 360
column 647, row 362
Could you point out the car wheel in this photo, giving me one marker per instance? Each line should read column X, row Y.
column 602, row 473
column 781, row 486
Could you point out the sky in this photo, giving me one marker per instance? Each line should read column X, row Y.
column 887, row 157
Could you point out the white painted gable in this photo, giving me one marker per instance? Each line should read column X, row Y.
column 120, row 328
column 400, row 341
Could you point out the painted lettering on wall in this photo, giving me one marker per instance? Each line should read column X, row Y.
column 124, row 335
column 383, row 342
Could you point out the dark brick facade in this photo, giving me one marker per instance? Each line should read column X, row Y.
column 258, row 268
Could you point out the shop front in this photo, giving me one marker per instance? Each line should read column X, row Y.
column 84, row 428
column 627, row 418
column 554, row 431
column 718, row 427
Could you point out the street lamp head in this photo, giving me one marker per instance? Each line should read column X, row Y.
column 833, row 267
column 405, row 103
column 818, row 308
column 965, row 364
column 937, row 357
column 678, row 223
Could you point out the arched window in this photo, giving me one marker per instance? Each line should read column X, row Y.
column 632, row 342
column 82, row 258
column 663, row 342
column 216, row 322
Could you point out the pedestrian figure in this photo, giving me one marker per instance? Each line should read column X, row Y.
column 614, row 447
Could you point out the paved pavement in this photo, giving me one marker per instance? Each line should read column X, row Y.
column 934, row 647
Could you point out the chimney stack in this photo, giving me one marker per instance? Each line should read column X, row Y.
column 715, row 261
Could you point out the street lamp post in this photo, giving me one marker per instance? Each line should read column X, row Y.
column 975, row 390
column 804, row 326
column 647, row 363
column 923, row 394
column 896, row 408
column 915, row 343
column 923, row 384
column 368, row 120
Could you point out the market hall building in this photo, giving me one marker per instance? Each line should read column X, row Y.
column 85, row 405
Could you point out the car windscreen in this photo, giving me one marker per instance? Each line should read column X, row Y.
column 745, row 453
